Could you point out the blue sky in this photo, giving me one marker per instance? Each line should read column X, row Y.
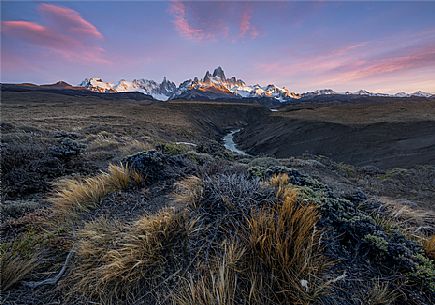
column 377, row 46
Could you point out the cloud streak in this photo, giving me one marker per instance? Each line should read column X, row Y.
column 356, row 62
column 182, row 25
column 246, row 27
column 212, row 21
column 70, row 21
column 65, row 33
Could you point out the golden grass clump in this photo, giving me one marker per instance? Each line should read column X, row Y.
column 429, row 247
column 218, row 286
column 14, row 268
column 285, row 241
column 19, row 258
column 124, row 263
column 83, row 195
column 273, row 258
column 95, row 240
column 189, row 191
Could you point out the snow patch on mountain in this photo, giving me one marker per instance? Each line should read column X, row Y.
column 217, row 83
column 217, row 86
column 365, row 93
column 162, row 91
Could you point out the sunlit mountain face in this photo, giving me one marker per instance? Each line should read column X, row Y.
column 217, row 84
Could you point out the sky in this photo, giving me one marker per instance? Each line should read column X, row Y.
column 345, row 46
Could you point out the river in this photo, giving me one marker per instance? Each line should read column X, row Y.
column 230, row 145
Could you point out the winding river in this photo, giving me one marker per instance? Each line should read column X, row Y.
column 230, row 145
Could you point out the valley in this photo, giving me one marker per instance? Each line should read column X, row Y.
column 80, row 169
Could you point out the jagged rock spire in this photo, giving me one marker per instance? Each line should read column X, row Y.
column 218, row 72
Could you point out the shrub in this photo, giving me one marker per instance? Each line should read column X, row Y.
column 424, row 273
column 172, row 148
column 377, row 243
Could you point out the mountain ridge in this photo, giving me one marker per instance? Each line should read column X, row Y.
column 217, row 86
column 213, row 86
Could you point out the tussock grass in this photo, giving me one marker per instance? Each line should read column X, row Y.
column 18, row 259
column 380, row 293
column 285, row 241
column 219, row 249
column 429, row 247
column 273, row 257
column 121, row 263
column 83, row 195
column 412, row 221
column 189, row 191
column 14, row 268
column 216, row 286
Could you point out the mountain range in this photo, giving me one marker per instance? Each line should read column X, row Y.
column 213, row 86
column 218, row 86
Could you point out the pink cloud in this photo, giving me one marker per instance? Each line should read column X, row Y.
column 183, row 26
column 213, row 20
column 246, row 28
column 66, row 34
column 408, row 59
column 69, row 20
column 358, row 63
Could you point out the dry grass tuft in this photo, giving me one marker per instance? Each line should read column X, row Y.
column 189, row 191
column 412, row 221
column 218, row 286
column 380, row 294
column 285, row 241
column 19, row 258
column 429, row 247
column 263, row 254
column 124, row 262
column 83, row 195
column 274, row 257
column 14, row 268
column 280, row 182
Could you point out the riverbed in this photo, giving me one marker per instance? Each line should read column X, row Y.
column 230, row 144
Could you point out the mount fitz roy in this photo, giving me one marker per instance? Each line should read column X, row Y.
column 217, row 86
column 212, row 86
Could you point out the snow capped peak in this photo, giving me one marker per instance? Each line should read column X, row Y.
column 96, row 84
column 318, row 92
column 220, row 86
column 422, row 94
column 366, row 93
column 162, row 91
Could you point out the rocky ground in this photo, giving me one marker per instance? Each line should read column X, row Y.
column 192, row 223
